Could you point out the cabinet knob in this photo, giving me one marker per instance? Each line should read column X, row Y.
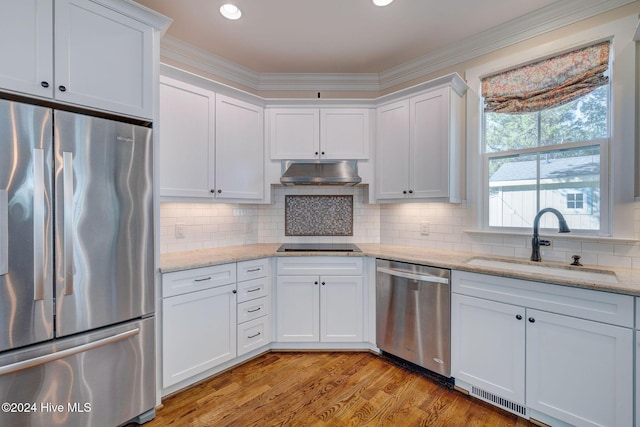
column 212, row 191
column 322, row 153
column 219, row 191
column 62, row 88
column 519, row 317
column 315, row 283
column 532, row 320
column 410, row 191
column 316, row 153
column 235, row 291
column 404, row 191
column 44, row 84
column 323, row 283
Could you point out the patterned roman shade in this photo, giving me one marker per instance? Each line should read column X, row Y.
column 548, row 83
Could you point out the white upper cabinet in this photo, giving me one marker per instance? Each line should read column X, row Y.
column 26, row 28
column 294, row 133
column 187, row 131
column 311, row 133
column 420, row 148
column 393, row 165
column 239, row 170
column 211, row 145
column 103, row 59
column 344, row 133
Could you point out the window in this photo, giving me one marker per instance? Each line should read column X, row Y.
column 575, row 201
column 546, row 140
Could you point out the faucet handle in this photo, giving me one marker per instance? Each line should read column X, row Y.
column 576, row 260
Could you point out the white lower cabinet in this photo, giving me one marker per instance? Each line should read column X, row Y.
column 198, row 332
column 579, row 371
column 211, row 316
column 315, row 306
column 489, row 347
column 518, row 354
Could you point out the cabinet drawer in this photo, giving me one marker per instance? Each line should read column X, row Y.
column 182, row 282
column 254, row 269
column 334, row 266
column 252, row 289
column 254, row 309
column 254, row 334
column 616, row 309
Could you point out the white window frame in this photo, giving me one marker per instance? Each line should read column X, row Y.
column 620, row 206
column 603, row 144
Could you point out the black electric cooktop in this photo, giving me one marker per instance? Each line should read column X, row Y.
column 318, row 247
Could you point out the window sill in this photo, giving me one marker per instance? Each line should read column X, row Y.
column 555, row 234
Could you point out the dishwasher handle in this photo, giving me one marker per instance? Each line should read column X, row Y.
column 413, row 276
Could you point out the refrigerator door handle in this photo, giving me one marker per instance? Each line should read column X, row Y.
column 67, row 184
column 38, row 224
column 4, row 233
column 41, row 360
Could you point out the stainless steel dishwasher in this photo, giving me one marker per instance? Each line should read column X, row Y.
column 413, row 321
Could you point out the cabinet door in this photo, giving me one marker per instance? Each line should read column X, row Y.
column 579, row 371
column 198, row 332
column 488, row 346
column 344, row 133
column 103, row 59
column 26, row 31
column 392, row 155
column 239, row 166
column 298, row 302
column 429, row 156
column 187, row 118
column 294, row 133
column 341, row 307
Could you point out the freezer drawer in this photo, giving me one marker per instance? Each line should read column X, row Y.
column 56, row 384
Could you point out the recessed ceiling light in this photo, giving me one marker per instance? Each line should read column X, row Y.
column 231, row 11
column 382, row 2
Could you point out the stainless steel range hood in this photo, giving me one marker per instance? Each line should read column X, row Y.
column 321, row 172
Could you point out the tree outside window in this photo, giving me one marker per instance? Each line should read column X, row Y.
column 542, row 153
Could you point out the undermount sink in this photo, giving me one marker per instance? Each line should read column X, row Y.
column 568, row 272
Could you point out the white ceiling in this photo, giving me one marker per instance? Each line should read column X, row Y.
column 334, row 36
column 334, row 44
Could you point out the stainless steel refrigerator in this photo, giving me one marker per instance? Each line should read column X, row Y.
column 76, row 269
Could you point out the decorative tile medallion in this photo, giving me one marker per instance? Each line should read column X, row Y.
column 318, row 216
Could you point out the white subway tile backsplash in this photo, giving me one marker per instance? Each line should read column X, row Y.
column 213, row 225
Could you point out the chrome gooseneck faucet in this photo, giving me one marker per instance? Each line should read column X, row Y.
column 536, row 242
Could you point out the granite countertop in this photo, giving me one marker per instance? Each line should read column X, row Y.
column 628, row 281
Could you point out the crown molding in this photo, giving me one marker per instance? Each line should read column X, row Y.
column 138, row 12
column 177, row 50
column 552, row 17
column 320, row 81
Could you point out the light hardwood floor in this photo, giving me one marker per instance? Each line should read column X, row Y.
column 326, row 389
